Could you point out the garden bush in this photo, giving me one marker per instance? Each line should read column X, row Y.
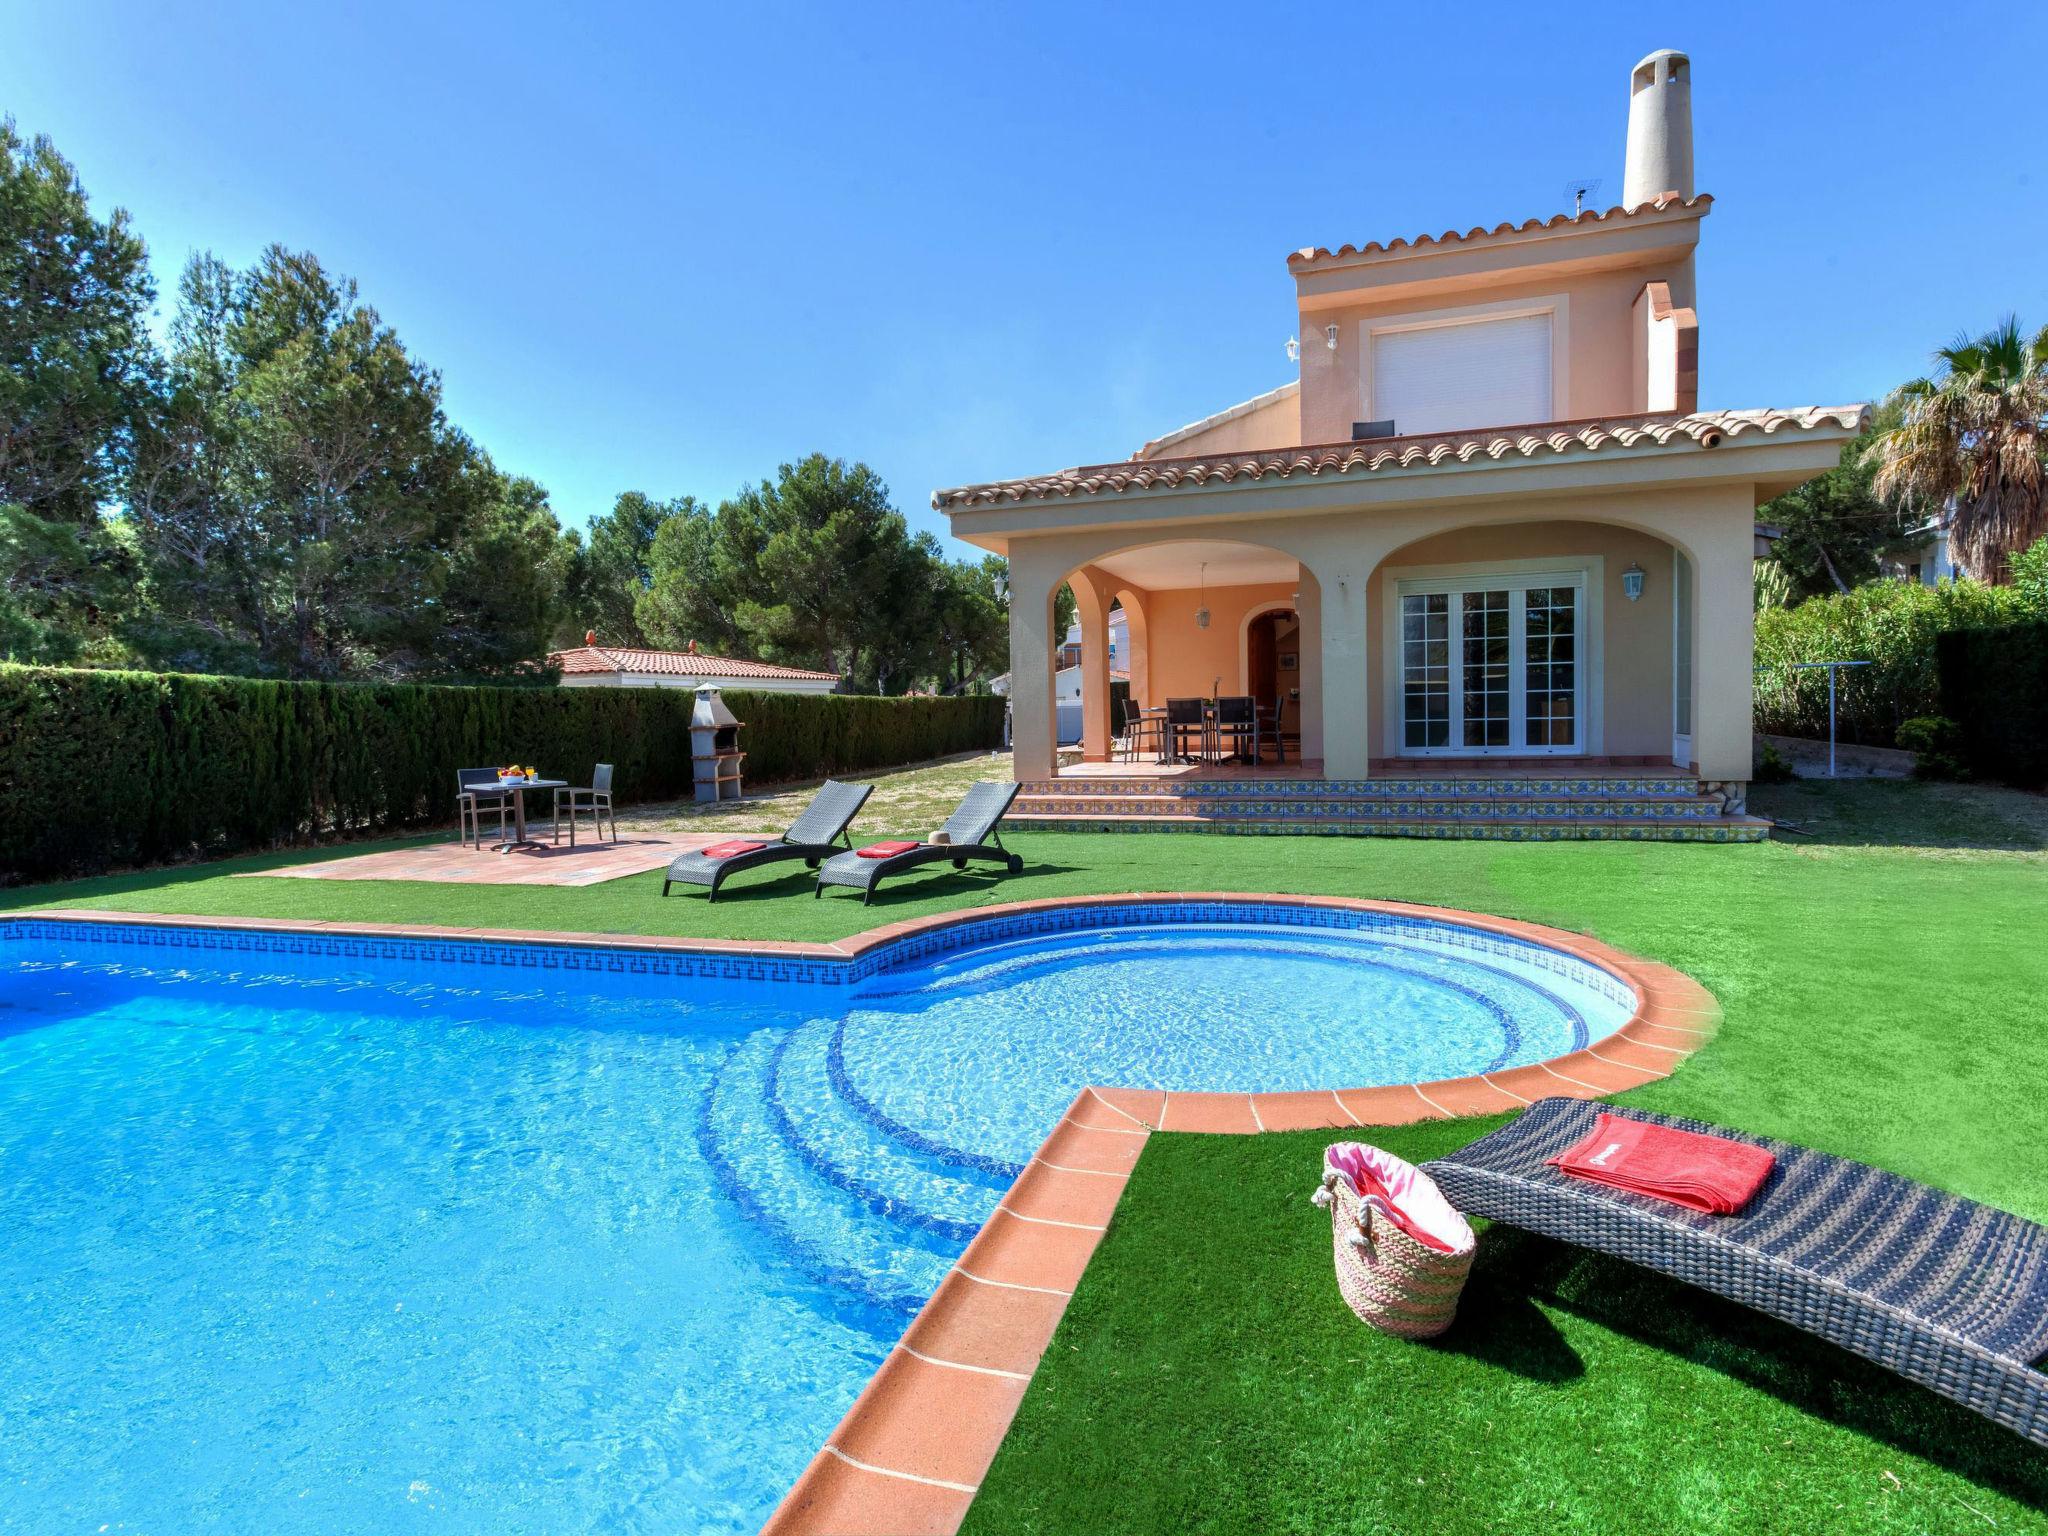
column 100, row 768
column 1994, row 685
column 1891, row 624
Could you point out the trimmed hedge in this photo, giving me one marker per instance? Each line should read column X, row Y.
column 1994, row 685
column 99, row 769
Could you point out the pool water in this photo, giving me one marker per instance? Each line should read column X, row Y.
column 299, row 1240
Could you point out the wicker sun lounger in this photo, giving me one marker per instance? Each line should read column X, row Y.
column 812, row 837
column 970, row 834
column 1942, row 1290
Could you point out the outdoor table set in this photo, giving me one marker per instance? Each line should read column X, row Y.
column 478, row 790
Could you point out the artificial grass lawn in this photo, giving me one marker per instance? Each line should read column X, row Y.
column 1208, row 1378
column 1883, row 981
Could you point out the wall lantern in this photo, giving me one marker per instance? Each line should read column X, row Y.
column 1330, row 337
column 1202, row 611
column 1293, row 350
column 1632, row 582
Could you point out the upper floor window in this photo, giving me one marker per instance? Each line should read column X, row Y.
column 1447, row 376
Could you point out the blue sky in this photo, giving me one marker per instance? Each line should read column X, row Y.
column 668, row 247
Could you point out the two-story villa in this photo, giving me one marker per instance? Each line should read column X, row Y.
column 1485, row 523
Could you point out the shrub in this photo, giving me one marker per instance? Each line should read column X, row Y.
column 125, row 768
column 1994, row 685
column 1891, row 624
column 1935, row 742
column 1771, row 767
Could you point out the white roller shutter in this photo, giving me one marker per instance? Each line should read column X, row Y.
column 1479, row 373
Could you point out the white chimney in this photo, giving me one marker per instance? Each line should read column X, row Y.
column 1659, row 129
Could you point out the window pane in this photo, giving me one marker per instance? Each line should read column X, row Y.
column 1550, row 680
column 1425, row 670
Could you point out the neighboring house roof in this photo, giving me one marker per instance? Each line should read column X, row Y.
column 1704, row 429
column 1670, row 202
column 587, row 659
column 1229, row 413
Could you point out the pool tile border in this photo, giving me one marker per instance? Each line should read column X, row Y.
column 911, row 1452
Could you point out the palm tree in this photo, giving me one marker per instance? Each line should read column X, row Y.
column 1972, row 440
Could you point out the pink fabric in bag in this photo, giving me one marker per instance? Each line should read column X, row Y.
column 1403, row 1193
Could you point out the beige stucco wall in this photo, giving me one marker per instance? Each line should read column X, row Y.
column 1186, row 660
column 1596, row 338
column 1341, row 548
column 1634, row 714
column 1276, row 424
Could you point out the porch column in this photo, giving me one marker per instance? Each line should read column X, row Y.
column 1139, row 662
column 1345, row 683
column 1724, row 647
column 1033, row 580
column 1092, row 595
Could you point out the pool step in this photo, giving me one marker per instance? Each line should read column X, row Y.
column 821, row 1229
column 852, row 1153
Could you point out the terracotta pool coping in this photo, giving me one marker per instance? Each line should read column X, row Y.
column 910, row 1454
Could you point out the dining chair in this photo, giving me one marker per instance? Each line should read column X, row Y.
column 1182, row 716
column 1139, row 732
column 595, row 797
column 1237, row 723
column 477, row 791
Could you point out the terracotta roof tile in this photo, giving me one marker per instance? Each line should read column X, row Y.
column 587, row 659
column 1705, row 429
column 1670, row 200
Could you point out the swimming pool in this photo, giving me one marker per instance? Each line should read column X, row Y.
column 317, row 1232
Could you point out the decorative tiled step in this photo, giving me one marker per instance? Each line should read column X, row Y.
column 1717, row 829
column 1418, row 806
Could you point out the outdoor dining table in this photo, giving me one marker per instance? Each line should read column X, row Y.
column 518, row 789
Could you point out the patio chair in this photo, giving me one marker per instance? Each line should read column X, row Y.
column 477, row 791
column 812, row 837
column 1942, row 1290
column 595, row 798
column 1237, row 723
column 970, row 833
column 1182, row 716
column 1280, row 735
column 1140, row 733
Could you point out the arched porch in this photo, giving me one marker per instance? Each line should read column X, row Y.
column 1190, row 607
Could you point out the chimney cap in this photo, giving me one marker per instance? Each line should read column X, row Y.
column 690, row 649
column 590, row 637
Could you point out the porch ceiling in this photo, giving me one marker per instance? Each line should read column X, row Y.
column 1178, row 565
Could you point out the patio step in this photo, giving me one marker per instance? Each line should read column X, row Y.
column 1636, row 804
column 1428, row 805
column 1719, row 829
column 808, row 1222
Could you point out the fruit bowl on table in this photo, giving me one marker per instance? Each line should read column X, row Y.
column 517, row 776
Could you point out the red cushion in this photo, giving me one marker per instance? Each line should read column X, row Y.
column 731, row 849
column 884, row 850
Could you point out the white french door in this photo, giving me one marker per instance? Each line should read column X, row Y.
column 1493, row 665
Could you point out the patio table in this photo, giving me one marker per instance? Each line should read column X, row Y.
column 518, row 789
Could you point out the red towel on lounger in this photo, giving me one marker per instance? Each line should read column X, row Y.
column 732, row 849
column 884, row 850
column 1702, row 1173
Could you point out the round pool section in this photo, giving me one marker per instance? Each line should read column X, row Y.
column 975, row 1051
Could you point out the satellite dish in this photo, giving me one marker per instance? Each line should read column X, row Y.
column 1581, row 190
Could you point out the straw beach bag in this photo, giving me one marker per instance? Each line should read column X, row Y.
column 1392, row 1279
